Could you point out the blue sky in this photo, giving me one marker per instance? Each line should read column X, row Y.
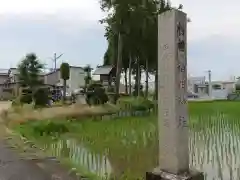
column 71, row 27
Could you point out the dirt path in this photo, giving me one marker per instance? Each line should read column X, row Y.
column 13, row 167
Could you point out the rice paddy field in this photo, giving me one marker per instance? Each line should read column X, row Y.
column 126, row 148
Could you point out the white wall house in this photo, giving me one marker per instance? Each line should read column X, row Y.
column 76, row 79
column 197, row 85
column 220, row 89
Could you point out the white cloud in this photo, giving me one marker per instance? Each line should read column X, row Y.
column 69, row 16
column 208, row 17
column 212, row 17
column 66, row 10
column 46, row 6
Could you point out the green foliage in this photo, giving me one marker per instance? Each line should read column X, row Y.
column 26, row 99
column 88, row 76
column 110, row 89
column 42, row 128
column 65, row 71
column 26, row 96
column 141, row 104
column 136, row 104
column 65, row 75
column 96, row 94
column 135, row 92
column 50, row 128
column 136, row 22
column 237, row 87
column 16, row 102
column 41, row 97
column 29, row 71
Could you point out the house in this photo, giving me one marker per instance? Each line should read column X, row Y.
column 11, row 85
column 9, row 82
column 76, row 79
column 197, row 85
column 13, row 75
column 3, row 79
column 3, row 75
column 107, row 74
column 220, row 89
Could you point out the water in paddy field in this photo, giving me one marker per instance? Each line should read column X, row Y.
column 214, row 149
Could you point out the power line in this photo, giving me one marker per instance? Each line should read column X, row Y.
column 54, row 59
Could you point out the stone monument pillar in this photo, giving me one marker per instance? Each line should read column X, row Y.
column 210, row 84
column 172, row 101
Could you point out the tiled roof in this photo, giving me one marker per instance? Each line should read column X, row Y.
column 103, row 70
column 4, row 71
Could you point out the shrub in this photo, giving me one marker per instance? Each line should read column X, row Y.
column 141, row 104
column 41, row 97
column 96, row 94
column 50, row 128
column 237, row 87
column 111, row 89
column 26, row 99
column 16, row 101
column 136, row 104
column 113, row 97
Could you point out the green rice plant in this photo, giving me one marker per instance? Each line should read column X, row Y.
column 126, row 148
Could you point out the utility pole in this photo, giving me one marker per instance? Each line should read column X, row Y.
column 54, row 59
column 210, row 83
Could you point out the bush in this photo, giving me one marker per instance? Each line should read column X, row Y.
column 41, row 97
column 237, row 87
column 96, row 94
column 141, row 104
column 16, row 102
column 111, row 89
column 137, row 104
column 113, row 97
column 50, row 128
column 26, row 99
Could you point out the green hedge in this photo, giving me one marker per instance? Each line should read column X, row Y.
column 41, row 97
column 26, row 99
column 135, row 104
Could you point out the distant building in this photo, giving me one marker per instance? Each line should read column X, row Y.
column 107, row 74
column 220, row 89
column 9, row 82
column 197, row 85
column 75, row 81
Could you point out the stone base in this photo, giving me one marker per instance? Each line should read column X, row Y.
column 161, row 175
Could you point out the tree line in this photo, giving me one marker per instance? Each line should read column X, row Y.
column 131, row 29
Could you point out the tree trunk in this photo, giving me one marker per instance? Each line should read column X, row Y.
column 130, row 75
column 126, row 81
column 119, row 64
column 146, row 92
column 156, row 86
column 64, row 90
column 136, row 81
column 138, row 78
